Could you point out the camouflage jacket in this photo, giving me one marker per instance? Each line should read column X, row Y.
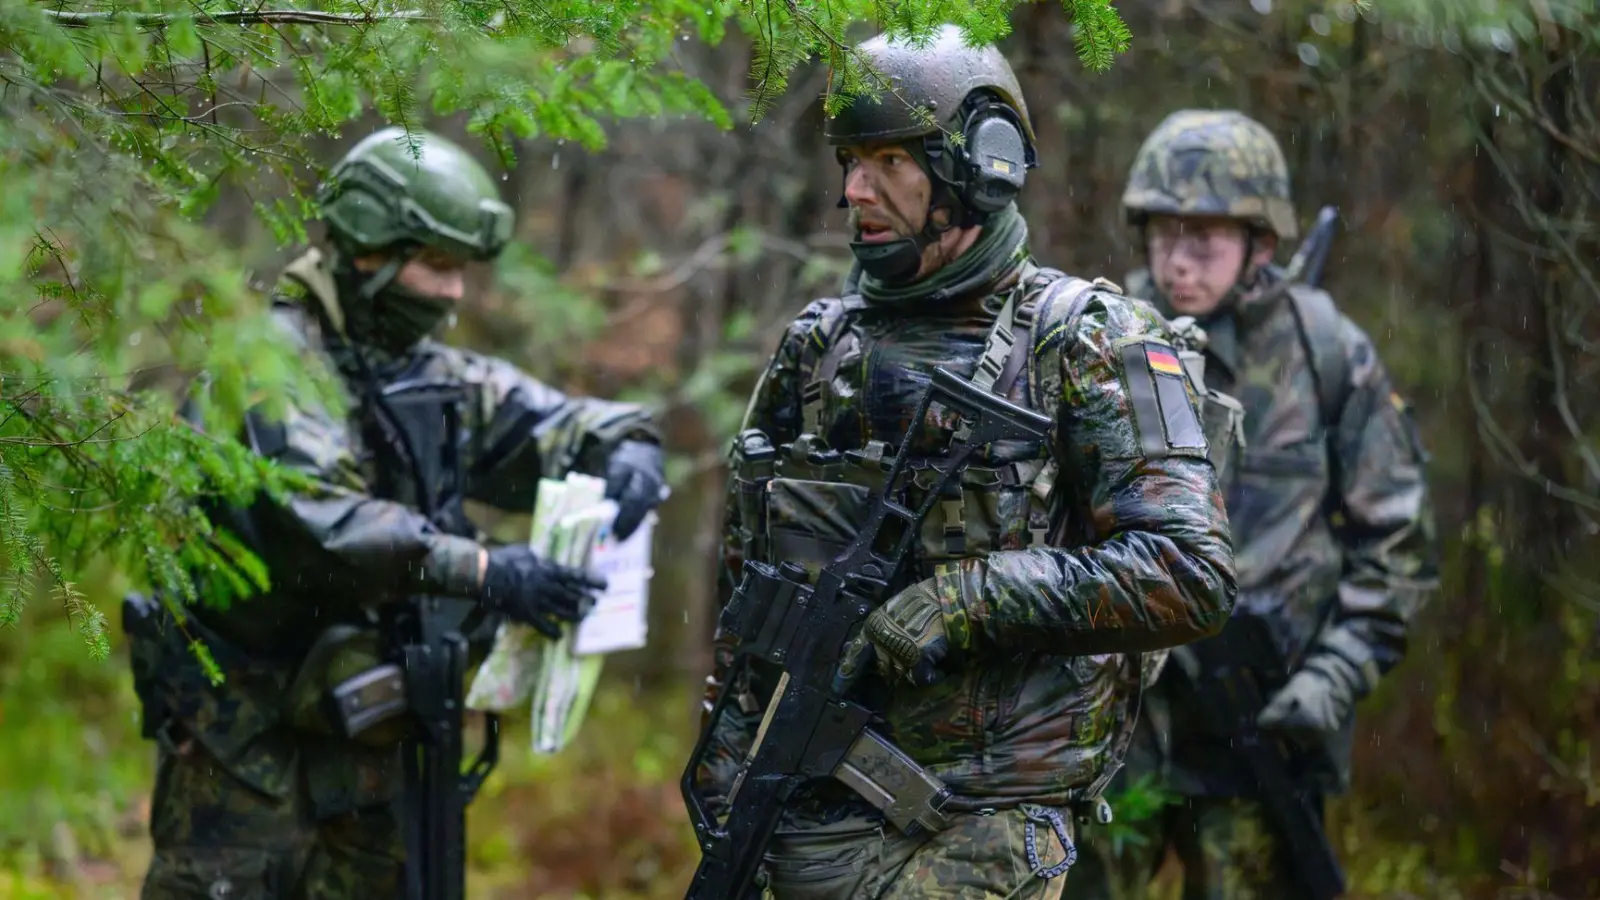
column 358, row 538
column 1139, row 558
column 1330, row 530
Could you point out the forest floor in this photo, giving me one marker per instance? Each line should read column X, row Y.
column 602, row 819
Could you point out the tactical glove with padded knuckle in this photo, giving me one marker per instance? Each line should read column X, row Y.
column 906, row 639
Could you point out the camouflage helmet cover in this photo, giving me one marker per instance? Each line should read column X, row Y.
column 936, row 78
column 1201, row 162
column 379, row 195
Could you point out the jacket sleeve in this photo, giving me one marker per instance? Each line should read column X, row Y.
column 1383, row 516
column 774, row 408
column 1151, row 563
column 531, row 430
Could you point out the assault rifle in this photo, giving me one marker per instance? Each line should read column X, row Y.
column 422, row 687
column 1237, row 671
column 424, row 642
column 811, row 729
column 425, row 636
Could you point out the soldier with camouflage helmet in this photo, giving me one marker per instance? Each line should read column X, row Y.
column 257, row 793
column 1326, row 497
column 1009, row 660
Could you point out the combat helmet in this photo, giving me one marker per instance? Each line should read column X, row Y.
column 380, row 195
column 957, row 89
column 1212, row 163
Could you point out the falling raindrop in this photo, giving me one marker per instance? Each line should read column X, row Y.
column 1261, row 6
column 1308, row 54
column 1321, row 24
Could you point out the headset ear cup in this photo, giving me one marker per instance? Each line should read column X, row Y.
column 995, row 157
column 992, row 160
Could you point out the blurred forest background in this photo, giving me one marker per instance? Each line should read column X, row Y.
column 1465, row 162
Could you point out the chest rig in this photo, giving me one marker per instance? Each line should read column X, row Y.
column 803, row 501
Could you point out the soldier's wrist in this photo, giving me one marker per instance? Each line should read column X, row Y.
column 455, row 566
column 1341, row 650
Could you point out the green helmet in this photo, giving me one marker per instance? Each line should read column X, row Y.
column 1201, row 162
column 938, row 78
column 379, row 195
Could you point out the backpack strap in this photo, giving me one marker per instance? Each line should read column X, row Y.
column 1319, row 324
column 1060, row 303
column 820, row 356
column 998, row 349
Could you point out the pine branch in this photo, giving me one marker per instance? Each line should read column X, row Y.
column 240, row 17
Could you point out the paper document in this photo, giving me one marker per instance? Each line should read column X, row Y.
column 571, row 525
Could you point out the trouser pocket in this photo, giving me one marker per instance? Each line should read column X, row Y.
column 822, row 865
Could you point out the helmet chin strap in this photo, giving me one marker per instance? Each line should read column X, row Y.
column 385, row 276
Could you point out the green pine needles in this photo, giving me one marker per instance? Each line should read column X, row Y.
column 123, row 121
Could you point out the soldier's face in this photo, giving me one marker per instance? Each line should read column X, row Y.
column 431, row 273
column 1195, row 260
column 889, row 193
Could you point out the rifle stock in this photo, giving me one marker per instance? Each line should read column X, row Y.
column 812, row 728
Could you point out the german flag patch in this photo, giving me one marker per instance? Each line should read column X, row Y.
column 1165, row 416
column 1162, row 361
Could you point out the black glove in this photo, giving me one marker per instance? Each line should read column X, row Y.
column 535, row 591
column 634, row 479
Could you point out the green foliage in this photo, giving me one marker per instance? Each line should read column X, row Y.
column 72, row 758
column 1136, row 803
column 121, row 125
